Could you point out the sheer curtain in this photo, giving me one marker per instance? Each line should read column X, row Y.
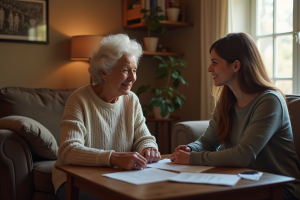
column 213, row 25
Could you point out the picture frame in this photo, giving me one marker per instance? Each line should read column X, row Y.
column 24, row 21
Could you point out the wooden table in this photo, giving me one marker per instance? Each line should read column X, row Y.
column 161, row 137
column 90, row 179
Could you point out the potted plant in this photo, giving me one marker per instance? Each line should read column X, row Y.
column 152, row 19
column 166, row 98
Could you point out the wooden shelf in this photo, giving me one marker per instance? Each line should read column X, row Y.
column 167, row 24
column 158, row 53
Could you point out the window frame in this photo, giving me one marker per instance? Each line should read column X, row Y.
column 296, row 26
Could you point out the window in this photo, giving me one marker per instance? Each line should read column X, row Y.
column 273, row 28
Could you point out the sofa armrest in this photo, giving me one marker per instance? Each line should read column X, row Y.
column 187, row 132
column 15, row 167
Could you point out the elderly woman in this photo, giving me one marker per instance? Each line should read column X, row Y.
column 103, row 124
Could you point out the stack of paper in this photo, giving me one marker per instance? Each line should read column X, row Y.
column 168, row 165
column 216, row 179
column 154, row 174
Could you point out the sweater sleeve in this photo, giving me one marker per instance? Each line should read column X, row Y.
column 208, row 141
column 72, row 148
column 142, row 137
column 266, row 120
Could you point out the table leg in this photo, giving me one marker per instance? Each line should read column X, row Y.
column 72, row 191
column 162, row 150
column 277, row 192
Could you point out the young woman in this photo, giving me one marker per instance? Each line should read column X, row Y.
column 251, row 118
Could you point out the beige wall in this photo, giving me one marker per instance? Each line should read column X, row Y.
column 38, row 65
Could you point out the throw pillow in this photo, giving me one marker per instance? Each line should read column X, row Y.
column 39, row 138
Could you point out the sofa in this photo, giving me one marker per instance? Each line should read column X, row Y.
column 189, row 131
column 29, row 140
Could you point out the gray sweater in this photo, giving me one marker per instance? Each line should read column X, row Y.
column 261, row 139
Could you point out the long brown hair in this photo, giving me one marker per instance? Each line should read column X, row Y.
column 252, row 78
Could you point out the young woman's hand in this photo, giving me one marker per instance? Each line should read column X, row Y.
column 183, row 148
column 180, row 157
column 151, row 154
column 128, row 160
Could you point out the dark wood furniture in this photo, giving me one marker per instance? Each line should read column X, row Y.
column 160, row 135
column 90, row 179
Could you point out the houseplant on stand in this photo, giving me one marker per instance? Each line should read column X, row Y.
column 152, row 19
column 166, row 98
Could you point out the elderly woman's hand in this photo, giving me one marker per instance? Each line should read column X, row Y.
column 151, row 154
column 128, row 160
column 180, row 157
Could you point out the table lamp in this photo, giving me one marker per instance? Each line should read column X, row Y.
column 82, row 47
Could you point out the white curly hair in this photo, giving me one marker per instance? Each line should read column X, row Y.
column 110, row 50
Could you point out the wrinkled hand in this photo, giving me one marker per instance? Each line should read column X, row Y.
column 183, row 148
column 151, row 154
column 180, row 157
column 128, row 160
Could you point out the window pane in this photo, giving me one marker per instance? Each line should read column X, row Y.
column 265, row 17
column 286, row 86
column 284, row 56
column 284, row 16
column 265, row 46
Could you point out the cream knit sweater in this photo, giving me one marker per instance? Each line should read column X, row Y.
column 92, row 129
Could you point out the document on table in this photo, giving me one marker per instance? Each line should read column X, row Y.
column 138, row 177
column 206, row 178
column 168, row 165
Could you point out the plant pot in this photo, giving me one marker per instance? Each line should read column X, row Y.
column 157, row 114
column 150, row 43
column 172, row 14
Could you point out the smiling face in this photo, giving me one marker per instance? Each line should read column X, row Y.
column 121, row 78
column 223, row 72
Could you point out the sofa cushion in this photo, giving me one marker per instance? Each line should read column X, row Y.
column 43, row 105
column 40, row 140
column 42, row 176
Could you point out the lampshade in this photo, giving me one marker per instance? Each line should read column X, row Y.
column 82, row 46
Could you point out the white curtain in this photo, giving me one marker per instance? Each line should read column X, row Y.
column 213, row 25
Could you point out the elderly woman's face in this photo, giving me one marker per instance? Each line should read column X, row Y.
column 123, row 75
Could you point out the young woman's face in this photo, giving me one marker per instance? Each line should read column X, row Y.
column 223, row 73
column 122, row 76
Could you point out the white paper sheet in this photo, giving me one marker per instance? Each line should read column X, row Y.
column 168, row 165
column 144, row 176
column 206, row 178
column 252, row 177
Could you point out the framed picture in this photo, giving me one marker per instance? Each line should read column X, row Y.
column 24, row 21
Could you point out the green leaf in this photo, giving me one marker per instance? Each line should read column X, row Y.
column 158, row 92
column 176, row 102
column 183, row 80
column 172, row 59
column 170, row 107
column 180, row 95
column 162, row 65
column 176, row 83
column 175, row 74
column 160, row 58
column 157, row 101
column 170, row 93
column 142, row 89
column 181, row 62
column 163, row 110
